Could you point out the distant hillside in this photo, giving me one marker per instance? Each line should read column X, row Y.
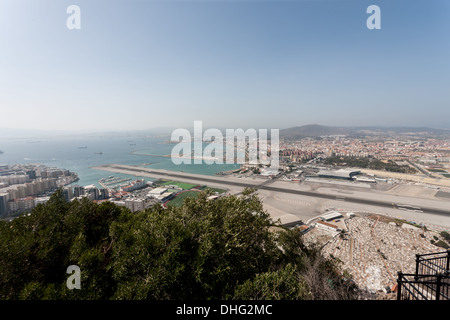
column 403, row 130
column 315, row 130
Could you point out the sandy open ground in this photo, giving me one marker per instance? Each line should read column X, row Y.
column 290, row 207
column 410, row 177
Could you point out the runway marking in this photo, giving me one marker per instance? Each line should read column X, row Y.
column 298, row 202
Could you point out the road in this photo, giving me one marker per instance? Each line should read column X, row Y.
column 419, row 168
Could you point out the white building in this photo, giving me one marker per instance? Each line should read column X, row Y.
column 41, row 200
column 157, row 191
column 134, row 185
column 327, row 226
column 365, row 179
column 136, row 204
column 331, row 216
column 163, row 196
column 347, row 174
column 269, row 173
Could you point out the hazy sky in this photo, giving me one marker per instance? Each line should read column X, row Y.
column 275, row 64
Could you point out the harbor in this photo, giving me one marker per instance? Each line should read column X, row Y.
column 113, row 183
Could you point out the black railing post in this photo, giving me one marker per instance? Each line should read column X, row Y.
column 417, row 267
column 399, row 286
column 448, row 260
column 438, row 287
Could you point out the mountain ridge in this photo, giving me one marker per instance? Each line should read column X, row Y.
column 316, row 130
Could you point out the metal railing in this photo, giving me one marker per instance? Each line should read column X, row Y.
column 431, row 281
column 433, row 263
column 423, row 287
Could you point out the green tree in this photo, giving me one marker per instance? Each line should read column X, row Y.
column 283, row 284
column 445, row 235
column 222, row 249
column 200, row 250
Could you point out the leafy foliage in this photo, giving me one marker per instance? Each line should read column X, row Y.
column 369, row 163
column 228, row 248
column 445, row 235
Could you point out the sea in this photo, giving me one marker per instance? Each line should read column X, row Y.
column 79, row 153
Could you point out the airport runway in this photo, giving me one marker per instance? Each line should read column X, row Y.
column 203, row 179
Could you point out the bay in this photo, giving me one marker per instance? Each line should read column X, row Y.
column 80, row 153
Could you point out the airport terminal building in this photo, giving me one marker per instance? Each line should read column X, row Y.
column 345, row 174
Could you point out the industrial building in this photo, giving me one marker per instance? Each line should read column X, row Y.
column 346, row 174
column 162, row 194
column 157, row 191
column 331, row 216
column 365, row 179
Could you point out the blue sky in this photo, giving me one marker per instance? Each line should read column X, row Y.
column 265, row 64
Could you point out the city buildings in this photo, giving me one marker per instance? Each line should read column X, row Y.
column 4, row 198
column 22, row 187
column 134, row 185
column 428, row 150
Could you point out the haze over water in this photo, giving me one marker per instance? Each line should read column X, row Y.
column 69, row 153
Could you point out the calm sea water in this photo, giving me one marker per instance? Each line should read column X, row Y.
column 69, row 153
